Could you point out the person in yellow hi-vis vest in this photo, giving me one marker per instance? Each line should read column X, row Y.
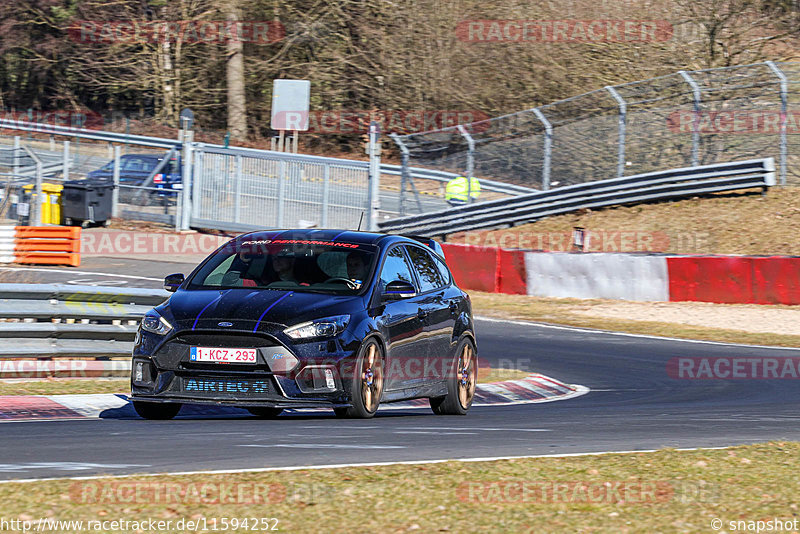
column 458, row 188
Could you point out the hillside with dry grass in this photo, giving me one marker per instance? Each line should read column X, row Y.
column 741, row 223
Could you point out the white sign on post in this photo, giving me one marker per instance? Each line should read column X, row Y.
column 290, row 101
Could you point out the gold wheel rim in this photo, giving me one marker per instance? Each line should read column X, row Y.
column 467, row 376
column 372, row 379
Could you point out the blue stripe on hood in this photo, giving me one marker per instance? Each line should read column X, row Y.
column 207, row 306
column 269, row 308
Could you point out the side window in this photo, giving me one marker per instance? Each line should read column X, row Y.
column 430, row 277
column 443, row 270
column 395, row 268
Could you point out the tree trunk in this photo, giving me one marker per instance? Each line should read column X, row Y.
column 237, row 110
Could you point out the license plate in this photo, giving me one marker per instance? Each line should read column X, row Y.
column 223, row 355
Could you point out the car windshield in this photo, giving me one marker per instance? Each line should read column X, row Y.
column 292, row 265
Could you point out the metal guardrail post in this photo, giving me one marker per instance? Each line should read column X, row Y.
column 623, row 115
column 237, row 201
column 65, row 171
column 281, row 192
column 115, row 191
column 470, row 159
column 326, row 191
column 548, row 147
column 696, row 121
column 784, row 105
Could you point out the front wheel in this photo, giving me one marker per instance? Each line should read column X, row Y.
column 156, row 410
column 366, row 383
column 460, row 384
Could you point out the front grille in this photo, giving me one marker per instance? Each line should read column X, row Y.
column 228, row 339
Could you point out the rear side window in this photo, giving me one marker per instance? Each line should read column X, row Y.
column 443, row 270
column 430, row 277
column 395, row 268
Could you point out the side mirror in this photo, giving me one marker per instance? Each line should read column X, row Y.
column 173, row 281
column 399, row 289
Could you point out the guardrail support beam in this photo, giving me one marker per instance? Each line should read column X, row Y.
column 623, row 115
column 470, row 159
column 784, row 153
column 696, row 122
column 548, row 147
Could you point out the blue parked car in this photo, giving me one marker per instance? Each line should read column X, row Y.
column 134, row 170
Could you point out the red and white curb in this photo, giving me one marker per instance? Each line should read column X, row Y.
column 532, row 389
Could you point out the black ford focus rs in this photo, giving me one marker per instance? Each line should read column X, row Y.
column 309, row 318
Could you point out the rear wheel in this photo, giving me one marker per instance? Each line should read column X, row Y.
column 264, row 412
column 460, row 384
column 156, row 410
column 366, row 383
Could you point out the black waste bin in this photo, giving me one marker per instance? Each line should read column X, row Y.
column 86, row 201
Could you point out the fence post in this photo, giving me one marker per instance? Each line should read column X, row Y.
column 35, row 207
column 373, row 199
column 281, row 192
column 784, row 105
column 623, row 115
column 470, row 159
column 115, row 191
column 185, row 214
column 17, row 148
column 66, row 163
column 548, row 147
column 405, row 155
column 326, row 189
column 237, row 202
column 696, row 121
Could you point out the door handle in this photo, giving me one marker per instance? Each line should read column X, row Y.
column 422, row 314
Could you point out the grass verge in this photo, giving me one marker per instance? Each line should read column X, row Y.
column 665, row 491
column 561, row 311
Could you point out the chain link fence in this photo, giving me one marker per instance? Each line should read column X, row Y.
column 684, row 119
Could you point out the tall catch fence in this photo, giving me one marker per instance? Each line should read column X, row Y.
column 685, row 119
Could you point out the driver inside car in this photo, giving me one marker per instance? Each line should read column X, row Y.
column 357, row 267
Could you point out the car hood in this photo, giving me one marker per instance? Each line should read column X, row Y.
column 252, row 309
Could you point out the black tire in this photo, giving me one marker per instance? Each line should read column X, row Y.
column 366, row 383
column 156, row 410
column 461, row 383
column 265, row 413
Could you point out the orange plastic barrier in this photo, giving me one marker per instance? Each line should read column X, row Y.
column 47, row 245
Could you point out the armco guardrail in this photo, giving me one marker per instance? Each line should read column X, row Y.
column 662, row 185
column 65, row 321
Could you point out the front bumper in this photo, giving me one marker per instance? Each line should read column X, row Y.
column 305, row 375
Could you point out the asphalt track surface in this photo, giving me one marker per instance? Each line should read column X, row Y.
column 633, row 405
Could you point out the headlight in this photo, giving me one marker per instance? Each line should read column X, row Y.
column 155, row 324
column 327, row 327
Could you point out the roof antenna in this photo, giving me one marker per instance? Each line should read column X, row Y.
column 359, row 221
